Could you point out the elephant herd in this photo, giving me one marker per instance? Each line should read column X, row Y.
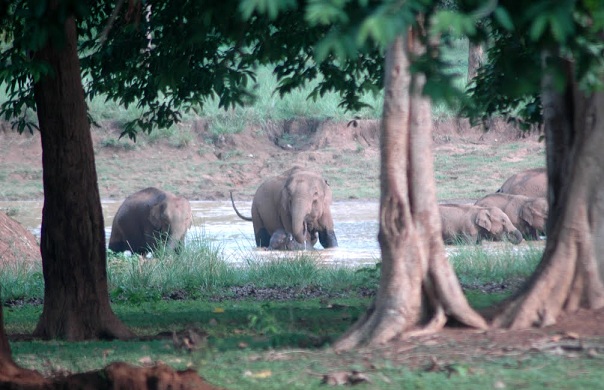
column 292, row 212
column 517, row 210
column 289, row 212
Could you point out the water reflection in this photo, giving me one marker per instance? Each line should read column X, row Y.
column 356, row 228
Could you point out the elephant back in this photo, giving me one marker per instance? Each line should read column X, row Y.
column 531, row 182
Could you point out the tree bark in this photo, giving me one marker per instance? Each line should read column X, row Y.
column 418, row 287
column 9, row 371
column 76, row 300
column 571, row 273
column 475, row 59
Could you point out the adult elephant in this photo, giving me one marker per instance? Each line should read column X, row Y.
column 528, row 214
column 472, row 224
column 531, row 182
column 298, row 201
column 148, row 217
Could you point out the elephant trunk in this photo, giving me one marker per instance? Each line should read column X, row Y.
column 515, row 237
column 298, row 214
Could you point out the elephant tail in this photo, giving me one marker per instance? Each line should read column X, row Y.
column 237, row 211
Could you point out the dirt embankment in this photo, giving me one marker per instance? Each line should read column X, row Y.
column 202, row 165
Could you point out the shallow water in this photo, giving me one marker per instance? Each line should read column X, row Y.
column 356, row 228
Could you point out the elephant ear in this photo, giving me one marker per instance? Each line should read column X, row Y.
column 483, row 219
column 526, row 213
column 156, row 215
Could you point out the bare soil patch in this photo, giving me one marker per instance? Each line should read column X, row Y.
column 575, row 335
column 201, row 165
column 17, row 244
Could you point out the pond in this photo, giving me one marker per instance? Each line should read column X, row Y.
column 356, row 227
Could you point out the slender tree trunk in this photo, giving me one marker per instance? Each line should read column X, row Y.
column 417, row 285
column 76, row 300
column 571, row 273
column 475, row 59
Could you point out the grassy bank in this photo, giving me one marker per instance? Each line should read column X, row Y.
column 200, row 271
column 242, row 341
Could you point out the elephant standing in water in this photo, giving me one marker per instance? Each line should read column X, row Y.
column 298, row 202
column 531, row 182
column 472, row 224
column 527, row 214
column 147, row 217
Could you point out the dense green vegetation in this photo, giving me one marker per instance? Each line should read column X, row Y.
column 201, row 271
column 267, row 105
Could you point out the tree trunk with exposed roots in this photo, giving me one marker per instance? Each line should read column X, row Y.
column 76, row 299
column 418, row 287
column 571, row 273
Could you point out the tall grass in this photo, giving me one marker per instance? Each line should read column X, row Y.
column 201, row 270
column 477, row 265
column 21, row 280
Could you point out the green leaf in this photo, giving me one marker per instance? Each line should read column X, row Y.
column 503, row 17
column 325, row 13
column 538, row 27
column 269, row 7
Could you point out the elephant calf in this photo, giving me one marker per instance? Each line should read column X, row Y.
column 283, row 241
column 472, row 224
column 528, row 214
column 148, row 216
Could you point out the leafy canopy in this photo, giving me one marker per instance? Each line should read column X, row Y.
column 168, row 56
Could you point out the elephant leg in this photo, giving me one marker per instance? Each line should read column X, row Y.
column 328, row 239
column 263, row 238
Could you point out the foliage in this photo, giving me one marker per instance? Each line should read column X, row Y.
column 25, row 28
column 518, row 50
column 181, row 55
column 168, row 58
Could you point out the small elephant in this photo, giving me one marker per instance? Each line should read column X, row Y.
column 283, row 241
column 531, row 182
column 297, row 201
column 147, row 216
column 527, row 214
column 474, row 223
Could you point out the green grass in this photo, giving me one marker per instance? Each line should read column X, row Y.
column 475, row 265
column 201, row 271
column 275, row 344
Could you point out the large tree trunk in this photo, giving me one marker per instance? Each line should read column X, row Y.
column 76, row 300
column 571, row 273
column 418, row 287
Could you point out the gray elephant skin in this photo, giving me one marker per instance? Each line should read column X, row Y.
column 147, row 216
column 528, row 214
column 298, row 201
column 530, row 182
column 284, row 241
column 464, row 223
